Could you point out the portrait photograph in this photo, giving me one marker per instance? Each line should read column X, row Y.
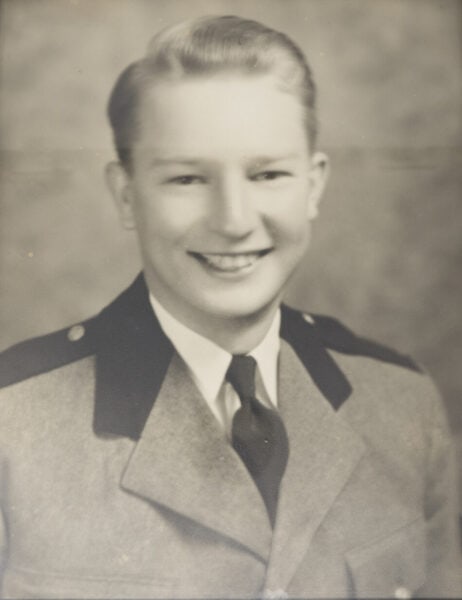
column 230, row 299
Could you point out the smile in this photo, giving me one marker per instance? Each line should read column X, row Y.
column 232, row 262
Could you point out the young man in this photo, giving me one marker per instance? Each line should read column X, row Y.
column 196, row 438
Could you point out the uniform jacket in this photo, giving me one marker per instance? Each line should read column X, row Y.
column 116, row 480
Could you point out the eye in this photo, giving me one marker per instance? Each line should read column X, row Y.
column 186, row 179
column 270, row 175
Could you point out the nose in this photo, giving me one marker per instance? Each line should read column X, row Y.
column 232, row 212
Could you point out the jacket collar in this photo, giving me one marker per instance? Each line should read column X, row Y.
column 305, row 339
column 133, row 355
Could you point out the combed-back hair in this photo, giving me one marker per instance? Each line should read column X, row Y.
column 203, row 47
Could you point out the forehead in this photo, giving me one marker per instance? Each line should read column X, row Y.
column 232, row 113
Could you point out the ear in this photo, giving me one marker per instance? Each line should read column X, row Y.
column 319, row 173
column 120, row 186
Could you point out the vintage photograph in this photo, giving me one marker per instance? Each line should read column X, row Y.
column 230, row 291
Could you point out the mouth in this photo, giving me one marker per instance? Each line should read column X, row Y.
column 230, row 262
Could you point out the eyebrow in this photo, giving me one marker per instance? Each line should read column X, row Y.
column 191, row 162
column 161, row 162
column 264, row 160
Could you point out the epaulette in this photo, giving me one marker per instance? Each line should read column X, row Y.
column 337, row 337
column 45, row 353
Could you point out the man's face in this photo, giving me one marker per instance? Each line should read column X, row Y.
column 222, row 192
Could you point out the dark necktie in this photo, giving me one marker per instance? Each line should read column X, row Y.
column 258, row 434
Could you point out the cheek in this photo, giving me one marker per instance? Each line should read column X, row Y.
column 286, row 211
column 289, row 224
column 163, row 218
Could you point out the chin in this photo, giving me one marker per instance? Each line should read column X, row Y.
column 241, row 308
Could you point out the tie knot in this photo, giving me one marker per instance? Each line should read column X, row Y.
column 241, row 375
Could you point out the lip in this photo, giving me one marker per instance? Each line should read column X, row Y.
column 230, row 263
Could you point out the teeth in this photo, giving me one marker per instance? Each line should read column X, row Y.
column 230, row 262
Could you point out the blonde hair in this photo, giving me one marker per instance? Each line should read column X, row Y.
column 203, row 47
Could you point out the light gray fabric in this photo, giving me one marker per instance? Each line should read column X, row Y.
column 366, row 504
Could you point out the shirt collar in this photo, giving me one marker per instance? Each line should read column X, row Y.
column 208, row 362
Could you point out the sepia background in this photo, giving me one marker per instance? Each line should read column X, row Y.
column 387, row 249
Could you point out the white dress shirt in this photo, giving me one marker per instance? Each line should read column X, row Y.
column 208, row 363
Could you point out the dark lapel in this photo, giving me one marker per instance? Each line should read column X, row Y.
column 304, row 339
column 132, row 357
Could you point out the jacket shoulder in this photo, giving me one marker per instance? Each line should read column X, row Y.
column 336, row 336
column 45, row 353
column 340, row 338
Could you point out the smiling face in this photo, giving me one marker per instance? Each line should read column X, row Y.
column 221, row 195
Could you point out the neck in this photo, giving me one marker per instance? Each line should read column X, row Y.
column 236, row 335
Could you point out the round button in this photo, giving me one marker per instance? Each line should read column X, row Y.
column 402, row 593
column 76, row 333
